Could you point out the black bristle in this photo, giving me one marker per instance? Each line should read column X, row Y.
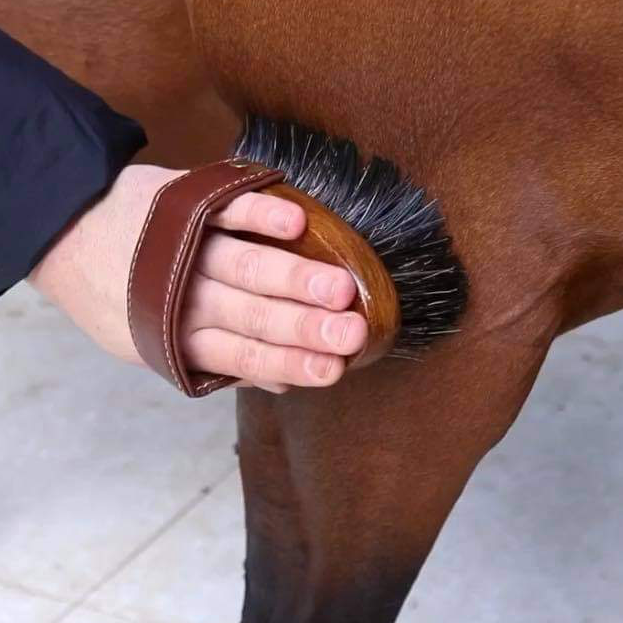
column 389, row 211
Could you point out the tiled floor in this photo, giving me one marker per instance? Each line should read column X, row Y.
column 120, row 501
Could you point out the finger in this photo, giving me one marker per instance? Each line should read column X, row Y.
column 262, row 214
column 274, row 272
column 274, row 388
column 277, row 321
column 222, row 352
column 242, row 385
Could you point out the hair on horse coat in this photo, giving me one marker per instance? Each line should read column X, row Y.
column 389, row 211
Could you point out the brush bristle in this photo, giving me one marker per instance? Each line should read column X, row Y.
column 389, row 211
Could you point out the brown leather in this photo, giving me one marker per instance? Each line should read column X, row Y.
column 163, row 259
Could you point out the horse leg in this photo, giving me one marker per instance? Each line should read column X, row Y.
column 346, row 489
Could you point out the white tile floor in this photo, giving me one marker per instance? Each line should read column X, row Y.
column 120, row 501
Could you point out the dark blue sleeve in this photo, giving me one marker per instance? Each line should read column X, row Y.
column 60, row 147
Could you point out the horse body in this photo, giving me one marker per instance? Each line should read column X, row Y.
column 511, row 115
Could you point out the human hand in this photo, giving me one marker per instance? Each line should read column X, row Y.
column 251, row 311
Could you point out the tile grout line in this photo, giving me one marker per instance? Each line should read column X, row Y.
column 31, row 592
column 142, row 547
column 37, row 594
column 114, row 618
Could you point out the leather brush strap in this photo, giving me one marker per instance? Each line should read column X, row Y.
column 163, row 261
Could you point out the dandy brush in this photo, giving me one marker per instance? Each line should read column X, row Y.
column 374, row 222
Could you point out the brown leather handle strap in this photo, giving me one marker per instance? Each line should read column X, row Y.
column 163, row 261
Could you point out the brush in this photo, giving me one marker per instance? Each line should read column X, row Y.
column 390, row 212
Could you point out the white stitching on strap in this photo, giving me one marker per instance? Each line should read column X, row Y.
column 139, row 247
column 165, row 328
column 207, row 384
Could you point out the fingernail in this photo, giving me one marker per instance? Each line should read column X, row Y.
column 279, row 219
column 322, row 288
column 334, row 330
column 318, row 365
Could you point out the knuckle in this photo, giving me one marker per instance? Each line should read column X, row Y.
column 228, row 217
column 255, row 320
column 207, row 300
column 303, row 327
column 292, row 364
column 249, row 210
column 249, row 360
column 237, row 213
column 247, row 268
column 296, row 276
column 205, row 290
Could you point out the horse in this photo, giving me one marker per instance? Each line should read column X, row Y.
column 511, row 115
